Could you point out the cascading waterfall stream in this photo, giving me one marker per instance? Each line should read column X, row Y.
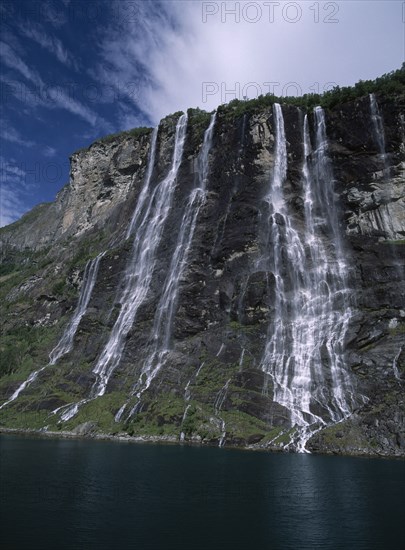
column 382, row 216
column 65, row 344
column 335, row 274
column 395, row 364
column 304, row 349
column 218, row 403
column 148, row 221
column 187, row 397
column 378, row 131
column 163, row 322
column 145, row 193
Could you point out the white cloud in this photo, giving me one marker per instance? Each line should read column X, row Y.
column 50, row 97
column 49, row 151
column 171, row 51
column 12, row 191
column 127, row 119
column 12, row 206
column 9, row 133
column 14, row 61
column 50, row 43
column 64, row 101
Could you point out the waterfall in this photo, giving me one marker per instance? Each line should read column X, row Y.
column 221, row 395
column 149, row 219
column 218, row 403
column 395, row 364
column 139, row 271
column 333, row 278
column 378, row 131
column 66, row 342
column 163, row 321
column 145, row 193
column 182, row 434
column 304, row 348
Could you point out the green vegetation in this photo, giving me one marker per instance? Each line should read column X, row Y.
column 172, row 116
column 29, row 261
column 162, row 417
column 246, row 329
column 242, row 425
column 59, row 287
column 88, row 248
column 389, row 84
column 27, row 218
column 100, row 411
column 198, row 118
column 19, row 268
column 198, row 121
column 399, row 329
column 23, row 418
column 23, row 348
column 344, row 435
column 135, row 133
column 399, row 242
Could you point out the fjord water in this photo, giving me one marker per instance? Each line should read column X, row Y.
column 70, row 494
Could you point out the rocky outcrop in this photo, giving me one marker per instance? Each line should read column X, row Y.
column 211, row 388
column 102, row 180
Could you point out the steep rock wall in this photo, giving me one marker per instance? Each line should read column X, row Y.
column 212, row 387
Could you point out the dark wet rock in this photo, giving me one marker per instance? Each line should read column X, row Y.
column 225, row 297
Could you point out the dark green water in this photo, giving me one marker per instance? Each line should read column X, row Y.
column 59, row 494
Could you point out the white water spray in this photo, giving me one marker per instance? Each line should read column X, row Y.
column 149, row 220
column 378, row 132
column 65, row 344
column 163, row 322
column 304, row 353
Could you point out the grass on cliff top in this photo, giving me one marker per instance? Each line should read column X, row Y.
column 27, row 218
column 134, row 133
column 390, row 84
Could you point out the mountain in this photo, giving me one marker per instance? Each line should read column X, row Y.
column 233, row 278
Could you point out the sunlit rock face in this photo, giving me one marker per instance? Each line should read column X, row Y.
column 210, row 371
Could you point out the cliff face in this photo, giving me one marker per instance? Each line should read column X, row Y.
column 207, row 381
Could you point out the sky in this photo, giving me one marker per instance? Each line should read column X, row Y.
column 73, row 71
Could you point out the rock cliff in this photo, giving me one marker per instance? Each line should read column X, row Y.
column 208, row 383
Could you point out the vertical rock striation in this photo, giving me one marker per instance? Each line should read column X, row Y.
column 250, row 290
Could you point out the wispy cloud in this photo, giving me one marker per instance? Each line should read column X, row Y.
column 128, row 119
column 65, row 101
column 9, row 133
column 12, row 206
column 50, row 43
column 171, row 50
column 47, row 96
column 12, row 60
column 13, row 199
column 49, row 151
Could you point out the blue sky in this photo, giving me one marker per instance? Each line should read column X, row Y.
column 75, row 70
